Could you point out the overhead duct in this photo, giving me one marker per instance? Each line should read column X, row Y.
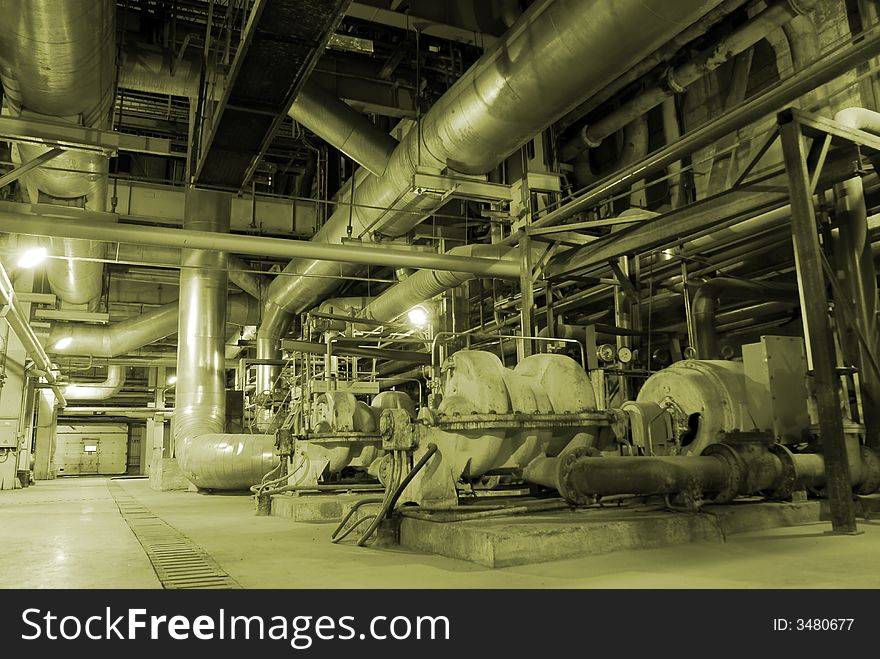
column 66, row 75
column 209, row 458
column 557, row 53
column 134, row 333
column 98, row 390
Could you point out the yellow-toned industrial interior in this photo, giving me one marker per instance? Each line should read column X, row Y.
column 439, row 293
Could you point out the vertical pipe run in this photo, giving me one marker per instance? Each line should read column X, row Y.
column 208, row 458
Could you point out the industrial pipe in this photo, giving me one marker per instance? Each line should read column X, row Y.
column 60, row 78
column 558, row 52
column 343, row 127
column 136, row 332
column 104, row 390
column 209, row 458
column 19, row 323
column 425, row 284
column 677, row 80
column 706, row 299
column 14, row 218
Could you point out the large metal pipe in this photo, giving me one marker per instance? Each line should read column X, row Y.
column 826, row 69
column 344, row 127
column 134, row 333
column 425, row 284
column 677, row 79
column 57, row 60
column 209, row 458
column 706, row 300
column 149, row 70
column 104, row 390
column 558, row 51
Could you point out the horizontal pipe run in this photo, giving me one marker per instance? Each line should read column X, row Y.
column 40, row 225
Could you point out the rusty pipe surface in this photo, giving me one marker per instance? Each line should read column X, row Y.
column 208, row 457
column 558, row 51
column 706, row 299
column 104, row 390
column 57, row 63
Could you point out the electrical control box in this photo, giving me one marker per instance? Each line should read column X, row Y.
column 776, row 387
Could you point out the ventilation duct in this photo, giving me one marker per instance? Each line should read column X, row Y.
column 209, row 458
column 67, row 75
column 557, row 53
column 98, row 390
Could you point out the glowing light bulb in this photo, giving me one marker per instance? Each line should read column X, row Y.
column 32, row 257
column 172, row 379
column 418, row 316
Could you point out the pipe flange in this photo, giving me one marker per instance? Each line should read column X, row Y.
column 871, row 469
column 588, row 141
column 566, row 464
column 735, row 470
column 788, row 480
column 671, row 83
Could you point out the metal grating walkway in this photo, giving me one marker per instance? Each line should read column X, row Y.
column 179, row 563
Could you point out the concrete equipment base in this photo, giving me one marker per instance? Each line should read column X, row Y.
column 549, row 536
column 316, row 507
column 165, row 475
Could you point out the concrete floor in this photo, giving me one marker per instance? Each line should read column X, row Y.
column 68, row 533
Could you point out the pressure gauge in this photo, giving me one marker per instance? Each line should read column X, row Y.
column 624, row 355
column 606, row 352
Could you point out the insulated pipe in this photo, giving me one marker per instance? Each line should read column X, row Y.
column 706, row 299
column 57, row 60
column 344, row 127
column 134, row 333
column 678, row 79
column 315, row 108
column 425, row 284
column 856, row 263
column 98, row 390
column 209, row 458
column 558, row 51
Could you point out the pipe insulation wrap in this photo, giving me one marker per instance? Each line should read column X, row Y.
column 57, row 64
column 558, row 51
column 98, row 390
column 209, row 458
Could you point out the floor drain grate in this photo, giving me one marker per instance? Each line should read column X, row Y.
column 178, row 562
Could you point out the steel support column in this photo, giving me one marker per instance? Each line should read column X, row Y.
column 527, row 297
column 817, row 326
